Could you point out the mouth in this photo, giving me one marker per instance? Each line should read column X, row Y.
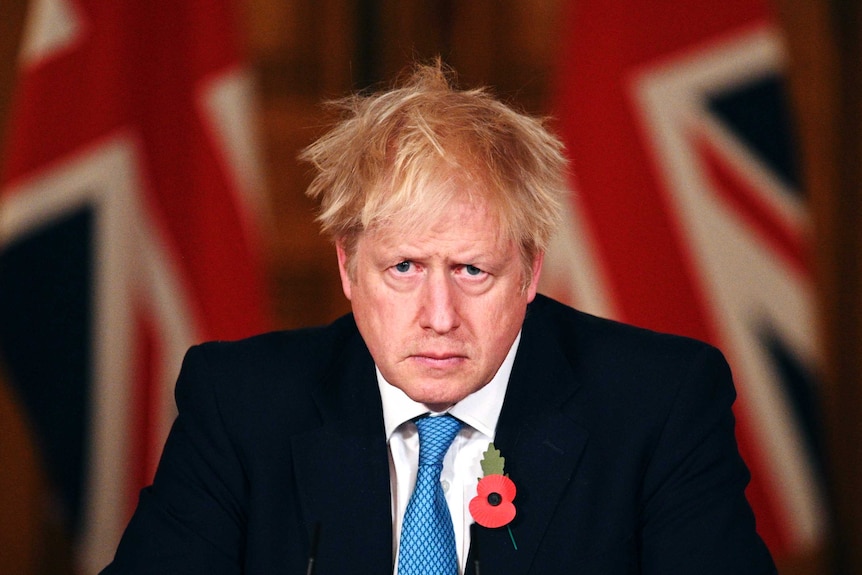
column 438, row 360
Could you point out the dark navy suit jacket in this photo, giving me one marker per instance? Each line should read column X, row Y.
column 620, row 441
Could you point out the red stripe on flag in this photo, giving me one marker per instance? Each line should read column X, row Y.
column 733, row 188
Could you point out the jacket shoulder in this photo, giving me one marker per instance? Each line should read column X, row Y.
column 310, row 347
column 583, row 337
column 612, row 363
column 265, row 373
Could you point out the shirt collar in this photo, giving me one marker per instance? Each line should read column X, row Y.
column 480, row 409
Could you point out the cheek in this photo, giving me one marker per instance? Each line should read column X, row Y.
column 380, row 317
column 502, row 321
column 377, row 305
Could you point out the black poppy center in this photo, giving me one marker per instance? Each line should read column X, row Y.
column 495, row 499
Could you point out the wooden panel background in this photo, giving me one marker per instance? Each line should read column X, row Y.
column 303, row 51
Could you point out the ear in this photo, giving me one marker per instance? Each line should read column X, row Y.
column 534, row 279
column 342, row 268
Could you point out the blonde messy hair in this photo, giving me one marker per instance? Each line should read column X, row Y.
column 402, row 155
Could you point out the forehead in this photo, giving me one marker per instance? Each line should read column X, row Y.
column 458, row 222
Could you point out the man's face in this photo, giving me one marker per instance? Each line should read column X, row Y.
column 438, row 307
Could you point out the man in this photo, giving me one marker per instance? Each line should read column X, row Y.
column 619, row 442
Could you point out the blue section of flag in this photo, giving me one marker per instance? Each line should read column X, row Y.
column 759, row 114
column 45, row 328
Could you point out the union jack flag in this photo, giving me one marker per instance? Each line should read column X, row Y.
column 688, row 217
column 128, row 231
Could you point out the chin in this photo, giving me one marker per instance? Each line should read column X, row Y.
column 433, row 391
column 437, row 402
column 429, row 398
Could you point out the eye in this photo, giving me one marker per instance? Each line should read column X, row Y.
column 472, row 270
column 403, row 267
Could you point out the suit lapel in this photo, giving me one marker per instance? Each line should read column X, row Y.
column 342, row 470
column 542, row 446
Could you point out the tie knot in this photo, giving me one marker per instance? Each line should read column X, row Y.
column 435, row 436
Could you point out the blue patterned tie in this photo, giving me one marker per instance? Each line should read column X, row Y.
column 427, row 538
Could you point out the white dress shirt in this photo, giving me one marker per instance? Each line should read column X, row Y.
column 479, row 412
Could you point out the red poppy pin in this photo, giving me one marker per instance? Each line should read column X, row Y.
column 492, row 506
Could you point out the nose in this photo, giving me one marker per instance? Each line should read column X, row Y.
column 439, row 306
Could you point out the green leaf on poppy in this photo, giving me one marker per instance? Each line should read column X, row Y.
column 492, row 463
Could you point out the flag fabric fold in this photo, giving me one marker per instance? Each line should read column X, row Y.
column 130, row 228
column 688, row 216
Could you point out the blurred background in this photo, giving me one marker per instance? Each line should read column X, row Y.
column 151, row 199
